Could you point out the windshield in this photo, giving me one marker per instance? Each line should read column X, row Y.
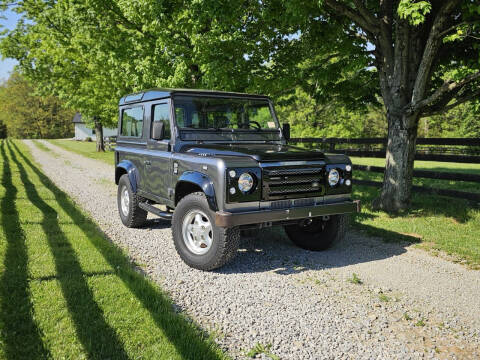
column 213, row 118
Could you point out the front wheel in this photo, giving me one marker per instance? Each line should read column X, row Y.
column 130, row 213
column 318, row 234
column 200, row 243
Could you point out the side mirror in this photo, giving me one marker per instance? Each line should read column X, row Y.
column 158, row 132
column 286, row 131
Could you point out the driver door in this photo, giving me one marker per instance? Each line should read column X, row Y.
column 158, row 166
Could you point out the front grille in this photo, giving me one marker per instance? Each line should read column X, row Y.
column 286, row 204
column 292, row 182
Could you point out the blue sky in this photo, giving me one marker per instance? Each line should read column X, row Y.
column 8, row 21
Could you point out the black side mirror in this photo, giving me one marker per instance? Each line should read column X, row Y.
column 286, row 131
column 158, row 132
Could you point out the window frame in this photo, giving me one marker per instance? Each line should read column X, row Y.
column 122, row 111
column 152, row 119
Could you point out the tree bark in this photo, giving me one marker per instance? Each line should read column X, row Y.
column 99, row 135
column 406, row 57
column 400, row 155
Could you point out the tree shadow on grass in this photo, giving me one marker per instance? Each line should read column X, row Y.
column 423, row 205
column 97, row 337
column 20, row 334
column 185, row 336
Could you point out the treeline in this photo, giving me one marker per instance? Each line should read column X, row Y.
column 308, row 118
column 26, row 115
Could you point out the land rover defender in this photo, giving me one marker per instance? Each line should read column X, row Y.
column 219, row 163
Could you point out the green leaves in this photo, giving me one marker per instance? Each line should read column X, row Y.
column 27, row 115
column 414, row 11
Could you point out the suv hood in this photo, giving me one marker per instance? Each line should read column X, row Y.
column 259, row 152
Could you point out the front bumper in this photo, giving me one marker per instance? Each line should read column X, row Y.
column 228, row 219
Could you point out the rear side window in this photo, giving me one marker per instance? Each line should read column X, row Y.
column 161, row 112
column 132, row 122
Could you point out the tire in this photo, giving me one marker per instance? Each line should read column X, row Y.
column 131, row 214
column 319, row 235
column 218, row 245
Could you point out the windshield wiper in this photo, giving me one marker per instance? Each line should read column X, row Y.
column 220, row 129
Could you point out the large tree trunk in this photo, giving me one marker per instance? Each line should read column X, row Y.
column 397, row 181
column 99, row 135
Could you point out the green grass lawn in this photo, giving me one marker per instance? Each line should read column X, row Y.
column 85, row 148
column 66, row 292
column 435, row 222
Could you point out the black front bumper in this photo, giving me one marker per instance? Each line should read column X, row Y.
column 228, row 219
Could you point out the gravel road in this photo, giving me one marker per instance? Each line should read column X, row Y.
column 409, row 305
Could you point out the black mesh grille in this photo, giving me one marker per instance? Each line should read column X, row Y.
column 292, row 182
column 285, row 204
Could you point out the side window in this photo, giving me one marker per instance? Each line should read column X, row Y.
column 132, row 122
column 161, row 112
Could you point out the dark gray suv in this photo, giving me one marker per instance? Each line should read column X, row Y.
column 217, row 163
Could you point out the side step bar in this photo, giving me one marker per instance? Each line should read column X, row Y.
column 150, row 208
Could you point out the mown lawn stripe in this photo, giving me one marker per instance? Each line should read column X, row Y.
column 20, row 335
column 97, row 337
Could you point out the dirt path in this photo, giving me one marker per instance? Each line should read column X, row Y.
column 410, row 304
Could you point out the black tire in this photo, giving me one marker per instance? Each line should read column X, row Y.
column 320, row 234
column 225, row 242
column 135, row 217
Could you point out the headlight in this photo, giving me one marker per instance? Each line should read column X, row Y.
column 245, row 182
column 333, row 177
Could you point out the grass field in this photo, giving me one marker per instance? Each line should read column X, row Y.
column 434, row 222
column 85, row 148
column 66, row 292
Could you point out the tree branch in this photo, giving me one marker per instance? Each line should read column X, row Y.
column 442, row 91
column 386, row 23
column 367, row 16
column 353, row 15
column 454, row 27
column 431, row 48
column 458, row 101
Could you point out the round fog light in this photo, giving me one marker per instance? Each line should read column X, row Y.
column 333, row 177
column 348, row 168
column 232, row 173
column 245, row 182
column 232, row 190
column 348, row 182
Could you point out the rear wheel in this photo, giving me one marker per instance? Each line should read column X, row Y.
column 200, row 243
column 130, row 213
column 318, row 234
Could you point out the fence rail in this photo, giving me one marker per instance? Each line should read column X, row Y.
column 429, row 190
column 426, row 174
column 425, row 155
column 383, row 141
column 471, row 159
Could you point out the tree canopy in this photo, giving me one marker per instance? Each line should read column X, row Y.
column 27, row 115
column 416, row 58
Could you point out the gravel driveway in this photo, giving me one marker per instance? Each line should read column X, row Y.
column 410, row 304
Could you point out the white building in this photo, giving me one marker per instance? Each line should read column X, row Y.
column 82, row 131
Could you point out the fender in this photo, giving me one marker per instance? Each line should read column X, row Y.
column 204, row 182
column 130, row 169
